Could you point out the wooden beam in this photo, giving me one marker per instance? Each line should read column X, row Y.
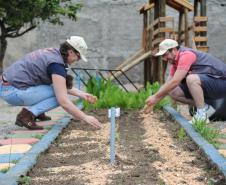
column 200, row 39
column 163, row 30
column 160, row 20
column 200, row 28
column 186, row 4
column 203, row 48
column 132, row 64
column 200, row 19
column 146, row 7
column 179, row 5
column 131, row 58
column 157, row 41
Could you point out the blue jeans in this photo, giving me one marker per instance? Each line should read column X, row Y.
column 39, row 99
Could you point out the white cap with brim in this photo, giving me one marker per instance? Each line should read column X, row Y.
column 79, row 45
column 165, row 45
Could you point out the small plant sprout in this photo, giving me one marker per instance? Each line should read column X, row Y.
column 181, row 135
column 25, row 180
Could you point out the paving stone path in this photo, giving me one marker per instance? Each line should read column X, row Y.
column 15, row 141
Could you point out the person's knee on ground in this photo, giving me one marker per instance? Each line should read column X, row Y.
column 25, row 118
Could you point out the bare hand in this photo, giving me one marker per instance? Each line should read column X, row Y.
column 152, row 100
column 147, row 109
column 92, row 121
column 91, row 99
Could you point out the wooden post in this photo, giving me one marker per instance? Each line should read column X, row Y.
column 160, row 11
column 147, row 66
column 196, row 7
column 180, row 27
column 186, row 31
column 203, row 13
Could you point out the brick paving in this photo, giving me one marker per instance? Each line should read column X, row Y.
column 16, row 141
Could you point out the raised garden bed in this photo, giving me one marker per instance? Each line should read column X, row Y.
column 150, row 149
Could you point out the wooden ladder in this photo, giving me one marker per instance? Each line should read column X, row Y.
column 200, row 33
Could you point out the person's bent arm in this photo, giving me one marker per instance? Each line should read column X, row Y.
column 81, row 94
column 167, row 87
column 60, row 90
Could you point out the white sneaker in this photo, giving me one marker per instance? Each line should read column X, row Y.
column 203, row 115
column 200, row 117
column 210, row 111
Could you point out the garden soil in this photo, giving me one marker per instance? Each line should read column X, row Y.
column 149, row 151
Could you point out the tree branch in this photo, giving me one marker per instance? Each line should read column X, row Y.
column 17, row 34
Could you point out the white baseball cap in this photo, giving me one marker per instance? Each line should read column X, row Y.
column 79, row 45
column 165, row 45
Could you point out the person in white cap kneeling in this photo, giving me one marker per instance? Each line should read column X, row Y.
column 40, row 82
column 193, row 77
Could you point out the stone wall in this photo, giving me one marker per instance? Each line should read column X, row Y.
column 113, row 31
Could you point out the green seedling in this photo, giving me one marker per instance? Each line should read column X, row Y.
column 181, row 135
column 161, row 182
column 25, row 180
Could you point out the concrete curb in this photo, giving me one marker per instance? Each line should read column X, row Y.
column 211, row 153
column 30, row 158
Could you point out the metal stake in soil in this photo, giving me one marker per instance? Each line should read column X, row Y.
column 112, row 113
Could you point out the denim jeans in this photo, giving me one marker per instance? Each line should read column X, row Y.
column 38, row 99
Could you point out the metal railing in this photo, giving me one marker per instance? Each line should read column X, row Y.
column 102, row 73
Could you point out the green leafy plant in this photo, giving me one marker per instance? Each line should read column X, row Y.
column 210, row 134
column 110, row 95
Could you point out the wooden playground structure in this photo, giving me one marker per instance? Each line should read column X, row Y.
column 157, row 26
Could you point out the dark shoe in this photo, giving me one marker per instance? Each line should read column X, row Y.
column 42, row 117
column 26, row 119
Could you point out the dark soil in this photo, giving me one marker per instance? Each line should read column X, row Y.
column 148, row 151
